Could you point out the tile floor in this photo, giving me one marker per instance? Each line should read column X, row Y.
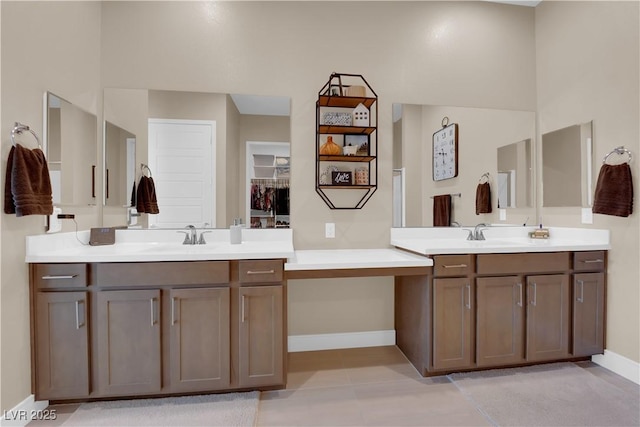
column 366, row 387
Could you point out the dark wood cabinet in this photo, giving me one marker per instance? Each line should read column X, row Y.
column 500, row 321
column 548, row 317
column 197, row 328
column 261, row 338
column 452, row 323
column 588, row 313
column 61, row 345
column 128, row 334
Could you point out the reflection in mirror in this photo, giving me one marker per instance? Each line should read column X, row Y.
column 514, row 175
column 567, row 166
column 70, row 141
column 119, row 168
column 481, row 132
column 232, row 119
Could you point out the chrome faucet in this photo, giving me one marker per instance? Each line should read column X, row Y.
column 477, row 231
column 191, row 236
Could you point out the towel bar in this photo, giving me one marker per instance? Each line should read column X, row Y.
column 18, row 128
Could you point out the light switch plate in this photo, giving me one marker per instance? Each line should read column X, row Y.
column 587, row 216
column 503, row 214
column 330, row 230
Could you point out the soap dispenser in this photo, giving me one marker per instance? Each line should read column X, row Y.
column 235, row 231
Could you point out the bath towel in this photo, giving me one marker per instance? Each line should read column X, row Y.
column 483, row 198
column 614, row 191
column 146, row 196
column 442, row 210
column 27, row 189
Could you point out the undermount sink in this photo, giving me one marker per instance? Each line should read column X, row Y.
column 179, row 247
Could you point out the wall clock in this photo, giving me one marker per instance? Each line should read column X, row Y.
column 445, row 151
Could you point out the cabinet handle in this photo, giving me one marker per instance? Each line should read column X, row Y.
column 520, row 292
column 242, row 306
column 78, row 324
column 173, row 311
column 260, row 272
column 468, row 304
column 535, row 294
column 455, row 266
column 581, row 298
column 592, row 261
column 153, row 311
column 69, row 276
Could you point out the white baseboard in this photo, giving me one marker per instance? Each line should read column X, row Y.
column 619, row 364
column 24, row 412
column 345, row 340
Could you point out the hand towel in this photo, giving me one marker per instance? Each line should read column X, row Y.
column 146, row 196
column 27, row 189
column 442, row 210
column 614, row 191
column 483, row 198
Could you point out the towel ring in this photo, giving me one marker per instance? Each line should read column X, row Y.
column 484, row 176
column 143, row 167
column 18, row 128
column 618, row 150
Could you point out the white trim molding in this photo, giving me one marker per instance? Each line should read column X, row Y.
column 24, row 412
column 344, row 340
column 619, row 364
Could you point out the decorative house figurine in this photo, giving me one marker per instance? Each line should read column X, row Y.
column 361, row 116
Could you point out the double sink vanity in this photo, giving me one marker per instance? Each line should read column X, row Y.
column 149, row 316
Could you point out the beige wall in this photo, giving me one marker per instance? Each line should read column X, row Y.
column 472, row 54
column 587, row 68
column 53, row 47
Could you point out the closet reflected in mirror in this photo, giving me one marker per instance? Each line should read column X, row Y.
column 119, row 166
column 514, row 175
column 567, row 166
column 70, row 143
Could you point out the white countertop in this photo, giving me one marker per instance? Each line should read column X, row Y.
column 452, row 240
column 332, row 259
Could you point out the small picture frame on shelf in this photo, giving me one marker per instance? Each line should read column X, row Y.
column 341, row 178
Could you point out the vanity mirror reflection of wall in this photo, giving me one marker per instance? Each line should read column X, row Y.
column 567, row 167
column 70, row 144
column 236, row 118
column 119, row 167
column 481, row 133
column 514, row 175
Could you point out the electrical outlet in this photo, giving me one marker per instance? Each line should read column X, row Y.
column 503, row 214
column 330, row 230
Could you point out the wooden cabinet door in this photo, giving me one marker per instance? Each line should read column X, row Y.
column 199, row 345
column 588, row 314
column 261, row 345
column 128, row 334
column 500, row 321
column 452, row 323
column 548, row 317
column 62, row 345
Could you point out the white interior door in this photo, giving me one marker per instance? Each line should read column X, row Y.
column 182, row 163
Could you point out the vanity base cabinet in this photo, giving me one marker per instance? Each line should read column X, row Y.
column 588, row 313
column 452, row 323
column 500, row 321
column 61, row 345
column 548, row 317
column 128, row 335
column 197, row 334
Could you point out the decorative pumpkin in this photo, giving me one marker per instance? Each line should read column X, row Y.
column 330, row 148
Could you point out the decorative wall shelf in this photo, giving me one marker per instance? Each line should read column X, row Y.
column 347, row 112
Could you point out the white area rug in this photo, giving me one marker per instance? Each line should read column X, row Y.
column 530, row 396
column 232, row 409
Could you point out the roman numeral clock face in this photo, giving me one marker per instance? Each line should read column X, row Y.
column 445, row 153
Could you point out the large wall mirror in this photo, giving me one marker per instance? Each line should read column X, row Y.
column 70, row 143
column 119, row 166
column 490, row 141
column 567, row 166
column 195, row 183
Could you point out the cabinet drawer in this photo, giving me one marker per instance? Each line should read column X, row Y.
column 261, row 271
column 589, row 261
column 60, row 275
column 162, row 273
column 523, row 263
column 452, row 265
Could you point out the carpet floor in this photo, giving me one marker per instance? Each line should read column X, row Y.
column 558, row 394
column 232, row 409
